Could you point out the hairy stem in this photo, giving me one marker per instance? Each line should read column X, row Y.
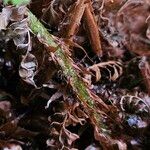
column 64, row 61
column 85, row 96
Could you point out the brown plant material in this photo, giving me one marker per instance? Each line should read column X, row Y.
column 135, row 102
column 145, row 71
column 73, row 19
column 132, row 25
column 61, row 136
column 50, row 99
column 115, row 66
column 92, row 29
column 94, row 105
column 82, row 10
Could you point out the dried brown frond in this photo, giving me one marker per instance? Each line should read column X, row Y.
column 135, row 102
column 113, row 75
column 61, row 137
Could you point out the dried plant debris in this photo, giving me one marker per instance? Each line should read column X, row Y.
column 116, row 68
column 86, row 86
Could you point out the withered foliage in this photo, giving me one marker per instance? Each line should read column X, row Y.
column 108, row 43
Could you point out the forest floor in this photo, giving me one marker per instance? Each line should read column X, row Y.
column 76, row 75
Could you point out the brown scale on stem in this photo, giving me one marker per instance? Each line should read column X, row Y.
column 92, row 29
column 83, row 10
column 74, row 19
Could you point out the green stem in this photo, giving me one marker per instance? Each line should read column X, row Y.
column 66, row 64
column 64, row 61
